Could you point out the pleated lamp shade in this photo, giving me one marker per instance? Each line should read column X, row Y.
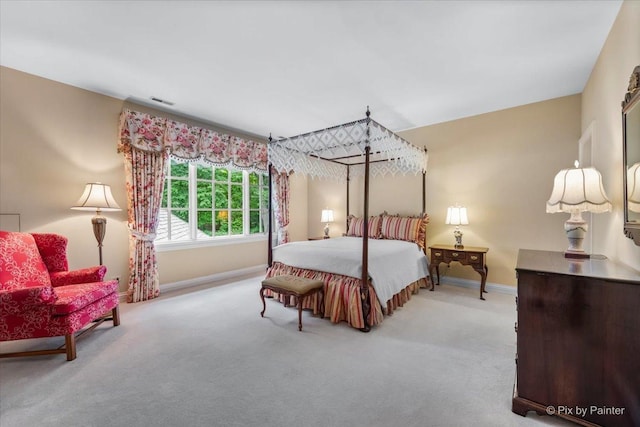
column 96, row 196
column 578, row 190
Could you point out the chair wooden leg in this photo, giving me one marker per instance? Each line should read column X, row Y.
column 70, row 346
column 115, row 313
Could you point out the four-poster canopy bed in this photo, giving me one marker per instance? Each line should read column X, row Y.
column 362, row 148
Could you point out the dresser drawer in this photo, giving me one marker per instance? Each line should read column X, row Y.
column 474, row 258
column 455, row 256
column 437, row 254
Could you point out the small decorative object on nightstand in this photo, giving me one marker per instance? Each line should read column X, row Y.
column 575, row 191
column 475, row 257
column 327, row 217
column 457, row 215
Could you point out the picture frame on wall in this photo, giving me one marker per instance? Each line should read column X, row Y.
column 9, row 222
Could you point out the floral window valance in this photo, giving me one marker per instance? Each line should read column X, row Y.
column 145, row 132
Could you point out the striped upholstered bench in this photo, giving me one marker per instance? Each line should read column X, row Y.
column 298, row 287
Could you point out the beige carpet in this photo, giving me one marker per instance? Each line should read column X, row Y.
column 205, row 357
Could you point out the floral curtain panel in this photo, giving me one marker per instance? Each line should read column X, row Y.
column 145, row 171
column 146, row 142
column 281, row 204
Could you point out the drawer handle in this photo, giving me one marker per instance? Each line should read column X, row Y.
column 474, row 257
column 516, row 327
column 438, row 253
column 454, row 254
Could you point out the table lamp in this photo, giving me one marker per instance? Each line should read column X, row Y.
column 457, row 215
column 327, row 217
column 575, row 191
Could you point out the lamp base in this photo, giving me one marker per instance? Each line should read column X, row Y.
column 99, row 229
column 457, row 233
column 576, row 228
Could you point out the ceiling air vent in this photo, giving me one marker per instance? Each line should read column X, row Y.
column 162, row 101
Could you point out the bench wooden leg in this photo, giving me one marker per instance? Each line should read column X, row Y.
column 264, row 305
column 300, row 313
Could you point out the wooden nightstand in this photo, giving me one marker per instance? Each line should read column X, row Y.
column 473, row 256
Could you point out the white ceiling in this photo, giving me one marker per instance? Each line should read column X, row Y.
column 289, row 67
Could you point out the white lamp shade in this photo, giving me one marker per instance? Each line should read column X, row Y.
column 96, row 196
column 327, row 215
column 633, row 187
column 457, row 215
column 578, row 190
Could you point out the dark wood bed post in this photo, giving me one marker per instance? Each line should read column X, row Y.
column 270, row 233
column 424, row 185
column 424, row 189
column 364, row 290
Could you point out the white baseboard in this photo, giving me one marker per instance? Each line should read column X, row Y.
column 475, row 284
column 260, row 269
column 211, row 279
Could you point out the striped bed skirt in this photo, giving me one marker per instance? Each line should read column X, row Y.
column 342, row 300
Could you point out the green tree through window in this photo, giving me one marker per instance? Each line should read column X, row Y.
column 201, row 202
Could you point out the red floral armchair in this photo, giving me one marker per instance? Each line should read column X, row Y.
column 39, row 297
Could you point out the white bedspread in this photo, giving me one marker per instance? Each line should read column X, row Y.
column 393, row 264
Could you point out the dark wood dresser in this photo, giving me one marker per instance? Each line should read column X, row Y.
column 578, row 339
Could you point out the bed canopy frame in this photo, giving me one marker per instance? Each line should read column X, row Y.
column 356, row 149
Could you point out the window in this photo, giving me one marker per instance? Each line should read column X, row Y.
column 204, row 203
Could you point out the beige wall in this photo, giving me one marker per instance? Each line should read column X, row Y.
column 499, row 165
column 326, row 194
column 184, row 264
column 54, row 138
column 601, row 100
column 298, row 208
column 406, row 199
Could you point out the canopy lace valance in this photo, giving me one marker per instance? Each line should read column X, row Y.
column 325, row 153
column 145, row 132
